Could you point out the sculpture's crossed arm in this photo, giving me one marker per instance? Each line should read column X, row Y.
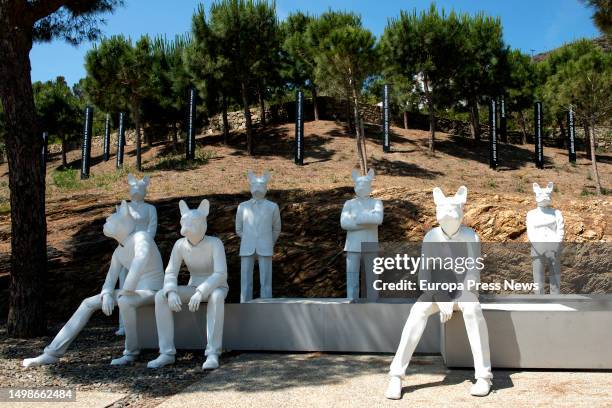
column 371, row 217
column 347, row 218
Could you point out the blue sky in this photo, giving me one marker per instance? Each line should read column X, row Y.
column 537, row 25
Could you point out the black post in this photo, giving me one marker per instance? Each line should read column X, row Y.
column 190, row 142
column 107, row 138
column 45, row 137
column 299, row 129
column 386, row 140
column 571, row 134
column 539, row 147
column 86, row 147
column 120, row 140
column 492, row 134
column 502, row 120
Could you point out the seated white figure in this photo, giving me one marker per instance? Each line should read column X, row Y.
column 452, row 239
column 204, row 257
column 545, row 230
column 137, row 253
column 258, row 224
column 145, row 217
column 360, row 218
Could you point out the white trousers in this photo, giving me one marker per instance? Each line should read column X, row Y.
column 164, row 318
column 539, row 268
column 247, row 263
column 353, row 266
column 122, row 275
column 475, row 325
column 127, row 309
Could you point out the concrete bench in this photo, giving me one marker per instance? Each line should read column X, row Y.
column 551, row 332
column 333, row 325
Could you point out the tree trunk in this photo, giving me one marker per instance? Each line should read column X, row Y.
column 474, row 119
column 136, row 107
column 523, row 127
column 587, row 140
column 262, row 105
column 225, row 121
column 405, row 119
column 247, row 117
column 563, row 141
column 64, row 148
column 594, row 158
column 315, row 104
column 363, row 164
column 432, row 117
column 349, row 122
column 26, row 316
column 174, row 137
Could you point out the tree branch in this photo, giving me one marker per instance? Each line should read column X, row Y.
column 43, row 8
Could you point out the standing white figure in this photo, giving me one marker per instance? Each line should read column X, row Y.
column 137, row 253
column 258, row 224
column 360, row 218
column 204, row 257
column 144, row 215
column 453, row 238
column 545, row 230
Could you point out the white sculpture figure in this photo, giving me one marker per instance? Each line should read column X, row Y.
column 136, row 252
column 450, row 237
column 205, row 259
column 258, row 224
column 144, row 215
column 360, row 218
column 545, row 230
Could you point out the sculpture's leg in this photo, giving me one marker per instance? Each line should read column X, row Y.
column 127, row 308
column 164, row 320
column 478, row 335
column 265, row 276
column 555, row 273
column 353, row 265
column 538, row 274
column 368, row 260
column 246, row 278
column 215, row 313
column 67, row 334
column 122, row 274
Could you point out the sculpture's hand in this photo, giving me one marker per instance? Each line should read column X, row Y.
column 108, row 304
column 174, row 302
column 194, row 302
column 446, row 311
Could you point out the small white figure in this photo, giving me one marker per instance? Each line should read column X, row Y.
column 454, row 239
column 204, row 257
column 258, row 224
column 137, row 253
column 144, row 215
column 360, row 218
column 545, row 230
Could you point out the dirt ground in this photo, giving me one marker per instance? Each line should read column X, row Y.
column 309, row 260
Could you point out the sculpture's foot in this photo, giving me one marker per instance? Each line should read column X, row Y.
column 481, row 388
column 394, row 389
column 123, row 360
column 161, row 361
column 43, row 359
column 120, row 332
column 211, row 363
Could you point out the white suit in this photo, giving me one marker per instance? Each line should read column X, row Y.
column 360, row 218
column 258, row 224
column 208, row 275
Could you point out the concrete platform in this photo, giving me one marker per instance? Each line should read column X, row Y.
column 550, row 332
column 334, row 325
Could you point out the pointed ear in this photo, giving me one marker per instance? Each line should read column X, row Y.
column 550, row 186
column 371, row 174
column 146, row 180
column 124, row 209
column 204, row 207
column 131, row 179
column 251, row 176
column 536, row 188
column 355, row 174
column 183, row 207
column 461, row 195
column 438, row 196
column 266, row 175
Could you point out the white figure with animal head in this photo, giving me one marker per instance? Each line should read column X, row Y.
column 145, row 218
column 360, row 218
column 450, row 238
column 545, row 230
column 204, row 257
column 258, row 224
column 137, row 253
